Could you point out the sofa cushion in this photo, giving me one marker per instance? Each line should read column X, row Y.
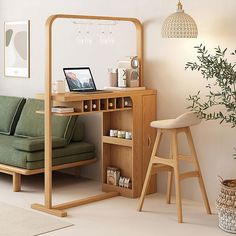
column 31, row 165
column 10, row 111
column 75, row 151
column 79, row 131
column 31, row 124
column 36, row 143
column 74, row 148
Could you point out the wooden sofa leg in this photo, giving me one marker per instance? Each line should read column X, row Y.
column 16, row 179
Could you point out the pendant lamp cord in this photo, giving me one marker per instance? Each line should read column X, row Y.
column 180, row 6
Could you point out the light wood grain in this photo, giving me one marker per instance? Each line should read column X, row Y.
column 158, row 164
column 129, row 159
column 51, row 211
column 137, row 131
column 177, row 175
column 197, row 166
column 84, row 201
column 17, row 172
column 16, row 182
column 77, row 97
column 149, row 135
column 125, row 192
column 117, row 141
column 149, row 171
column 169, row 179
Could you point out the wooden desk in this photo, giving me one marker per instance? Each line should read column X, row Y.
column 131, row 156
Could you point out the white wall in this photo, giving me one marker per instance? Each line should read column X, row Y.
column 164, row 66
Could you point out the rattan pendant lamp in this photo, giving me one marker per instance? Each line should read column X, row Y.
column 179, row 25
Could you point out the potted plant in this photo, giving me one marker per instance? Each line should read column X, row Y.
column 219, row 103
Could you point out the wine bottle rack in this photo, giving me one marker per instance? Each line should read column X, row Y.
column 95, row 105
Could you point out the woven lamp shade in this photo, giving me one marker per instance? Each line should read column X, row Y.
column 179, row 25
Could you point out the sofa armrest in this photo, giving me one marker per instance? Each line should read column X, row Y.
column 37, row 143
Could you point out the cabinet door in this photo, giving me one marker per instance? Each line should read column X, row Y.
column 149, row 135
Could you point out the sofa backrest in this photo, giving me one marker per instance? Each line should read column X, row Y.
column 10, row 110
column 31, row 124
column 79, row 131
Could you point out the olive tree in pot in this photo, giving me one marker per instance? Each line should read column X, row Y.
column 219, row 103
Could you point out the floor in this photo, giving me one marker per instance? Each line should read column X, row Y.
column 115, row 216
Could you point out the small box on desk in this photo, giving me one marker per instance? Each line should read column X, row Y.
column 113, row 175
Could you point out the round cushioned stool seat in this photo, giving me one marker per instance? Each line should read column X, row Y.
column 185, row 120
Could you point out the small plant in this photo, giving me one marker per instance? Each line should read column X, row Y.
column 220, row 101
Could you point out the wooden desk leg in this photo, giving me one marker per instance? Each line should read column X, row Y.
column 58, row 210
column 51, row 211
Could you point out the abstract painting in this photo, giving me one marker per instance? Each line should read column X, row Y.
column 17, row 49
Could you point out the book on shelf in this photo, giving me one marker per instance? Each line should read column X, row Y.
column 61, row 109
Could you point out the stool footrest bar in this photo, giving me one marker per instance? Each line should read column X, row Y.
column 165, row 161
column 160, row 167
column 189, row 175
column 186, row 158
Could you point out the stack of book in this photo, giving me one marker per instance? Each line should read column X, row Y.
column 61, row 109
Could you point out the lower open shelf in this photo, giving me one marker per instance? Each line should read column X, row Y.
column 117, row 141
column 126, row 192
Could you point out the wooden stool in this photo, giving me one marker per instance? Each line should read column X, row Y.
column 173, row 127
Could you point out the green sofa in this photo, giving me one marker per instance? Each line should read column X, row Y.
column 22, row 139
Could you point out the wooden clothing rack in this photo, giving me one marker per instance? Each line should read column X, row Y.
column 138, row 101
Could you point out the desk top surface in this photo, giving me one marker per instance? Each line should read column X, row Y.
column 69, row 97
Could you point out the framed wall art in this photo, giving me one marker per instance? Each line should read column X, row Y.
column 17, row 49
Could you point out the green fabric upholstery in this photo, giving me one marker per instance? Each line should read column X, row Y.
column 36, row 143
column 10, row 111
column 31, row 124
column 26, row 148
column 79, row 131
column 70, row 149
column 75, row 151
column 62, row 160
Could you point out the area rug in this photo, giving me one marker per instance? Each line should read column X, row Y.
column 15, row 221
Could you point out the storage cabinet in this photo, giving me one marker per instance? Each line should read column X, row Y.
column 130, row 156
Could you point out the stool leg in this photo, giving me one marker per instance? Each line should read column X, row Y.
column 169, row 181
column 149, row 171
column 177, row 179
column 169, row 185
column 200, row 179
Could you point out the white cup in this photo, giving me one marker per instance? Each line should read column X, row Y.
column 113, row 80
column 59, row 86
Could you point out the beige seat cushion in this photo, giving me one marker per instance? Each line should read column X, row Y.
column 184, row 120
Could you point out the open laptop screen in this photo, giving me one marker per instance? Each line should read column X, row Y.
column 79, row 79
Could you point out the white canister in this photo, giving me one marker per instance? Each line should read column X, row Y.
column 128, row 135
column 59, row 86
column 112, row 133
column 113, row 81
column 122, row 77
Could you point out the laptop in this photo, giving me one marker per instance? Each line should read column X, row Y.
column 80, row 80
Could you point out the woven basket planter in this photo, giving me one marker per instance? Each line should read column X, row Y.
column 226, row 206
